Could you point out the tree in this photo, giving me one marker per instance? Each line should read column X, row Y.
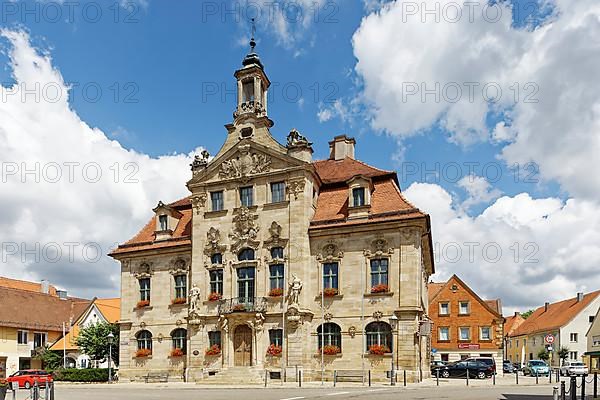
column 563, row 354
column 527, row 314
column 50, row 359
column 543, row 354
column 93, row 341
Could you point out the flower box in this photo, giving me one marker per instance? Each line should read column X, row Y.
column 239, row 307
column 143, row 353
column 215, row 296
column 213, row 350
column 330, row 350
column 276, row 292
column 382, row 288
column 379, row 350
column 330, row 292
column 143, row 303
column 179, row 300
column 274, row 350
column 177, row 353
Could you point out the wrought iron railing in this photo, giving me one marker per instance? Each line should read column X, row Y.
column 242, row 304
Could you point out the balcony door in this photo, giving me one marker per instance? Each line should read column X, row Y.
column 246, row 285
column 242, row 343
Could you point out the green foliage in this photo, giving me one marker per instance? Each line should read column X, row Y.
column 93, row 341
column 527, row 314
column 563, row 353
column 543, row 355
column 50, row 359
column 82, row 375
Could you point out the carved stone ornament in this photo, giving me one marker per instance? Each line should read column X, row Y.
column 377, row 315
column 331, row 251
column 328, row 316
column 245, row 230
column 293, row 317
column 194, row 299
column 295, row 288
column 223, row 323
column 179, row 267
column 258, row 322
column 295, row 187
column 275, row 240
column 199, row 201
column 144, row 270
column 379, row 247
column 200, row 161
column 295, row 139
column 245, row 164
column 352, row 331
column 213, row 242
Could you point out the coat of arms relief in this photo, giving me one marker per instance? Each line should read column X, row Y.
column 245, row 230
column 245, row 164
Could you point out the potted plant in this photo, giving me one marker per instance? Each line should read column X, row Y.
column 381, row 288
column 143, row 353
column 330, row 292
column 177, row 353
column 331, row 350
column 276, row 292
column 143, row 303
column 378, row 349
column 3, row 388
column 274, row 350
column 213, row 350
column 179, row 300
column 214, row 296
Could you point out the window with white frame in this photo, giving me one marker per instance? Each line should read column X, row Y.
column 464, row 308
column 277, row 192
column 330, row 275
column 573, row 337
column 247, row 196
column 180, row 286
column 596, row 340
column 464, row 333
column 216, row 199
column 358, row 197
column 485, row 333
column 573, row 355
column 39, row 339
column 444, row 308
column 163, row 221
column 443, row 334
column 22, row 337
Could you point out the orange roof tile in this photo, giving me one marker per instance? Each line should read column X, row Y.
column 512, row 323
column 494, row 305
column 110, row 309
column 25, row 285
column 434, row 288
column 331, row 171
column 558, row 315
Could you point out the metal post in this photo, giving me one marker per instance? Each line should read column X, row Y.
column 334, row 377
column 494, row 378
column 36, row 393
column 517, row 376
column 550, row 375
column 300, row 378
column 563, row 391
column 583, row 387
column 369, row 378
column 266, row 377
column 555, row 393
column 404, row 377
column 52, row 391
column 47, row 391
column 467, row 376
column 437, row 377
column 595, row 385
column 536, row 377
column 573, row 389
column 109, row 361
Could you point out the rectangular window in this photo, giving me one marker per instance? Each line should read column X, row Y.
column 573, row 337
column 145, row 289
column 330, row 275
column 464, row 333
column 276, row 276
column 214, row 337
column 596, row 340
column 248, row 90
column 246, row 196
column 39, row 340
column 276, row 337
column 358, row 197
column 163, row 222
column 445, row 308
column 246, row 285
column 573, row 355
column 181, row 287
column 445, row 357
column 485, row 333
column 591, row 318
column 22, row 337
column 444, row 334
column 277, row 192
column 216, row 281
column 464, row 308
column 216, row 199
column 379, row 273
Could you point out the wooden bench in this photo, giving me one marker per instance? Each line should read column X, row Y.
column 157, row 377
column 349, row 375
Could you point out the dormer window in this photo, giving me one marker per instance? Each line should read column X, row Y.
column 167, row 219
column 358, row 197
column 163, row 221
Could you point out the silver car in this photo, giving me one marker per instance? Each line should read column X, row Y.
column 571, row 368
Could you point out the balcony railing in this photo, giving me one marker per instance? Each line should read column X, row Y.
column 242, row 304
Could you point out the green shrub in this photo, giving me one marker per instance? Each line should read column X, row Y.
column 81, row 375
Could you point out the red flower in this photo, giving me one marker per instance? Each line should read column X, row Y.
column 274, row 350
column 330, row 350
column 213, row 350
column 378, row 349
column 215, row 296
column 381, row 288
column 177, row 353
column 330, row 292
column 276, row 292
column 239, row 307
column 143, row 303
column 179, row 300
column 141, row 353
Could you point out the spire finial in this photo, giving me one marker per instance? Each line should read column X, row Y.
column 252, row 41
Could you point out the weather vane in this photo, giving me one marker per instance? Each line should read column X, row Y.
column 252, row 42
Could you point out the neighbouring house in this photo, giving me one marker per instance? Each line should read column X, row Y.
column 592, row 354
column 510, row 326
column 98, row 311
column 32, row 315
column 566, row 322
column 277, row 262
column 464, row 324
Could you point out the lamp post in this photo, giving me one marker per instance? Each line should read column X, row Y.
column 110, row 338
column 393, row 323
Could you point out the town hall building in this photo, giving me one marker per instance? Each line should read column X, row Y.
column 276, row 262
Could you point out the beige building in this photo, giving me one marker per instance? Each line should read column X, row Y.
column 592, row 355
column 277, row 262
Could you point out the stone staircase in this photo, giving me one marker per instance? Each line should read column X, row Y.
column 236, row 375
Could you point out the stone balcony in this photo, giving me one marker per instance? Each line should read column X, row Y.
column 242, row 304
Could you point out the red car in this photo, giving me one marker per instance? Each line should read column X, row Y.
column 27, row 378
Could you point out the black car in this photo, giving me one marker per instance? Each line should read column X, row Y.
column 437, row 364
column 476, row 369
column 489, row 361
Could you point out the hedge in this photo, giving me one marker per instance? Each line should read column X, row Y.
column 82, row 375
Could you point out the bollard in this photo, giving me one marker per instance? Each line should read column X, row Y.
column 595, row 385
column 405, row 378
column 47, row 391
column 437, row 377
column 536, row 377
column 36, row 393
column 266, row 377
column 573, row 389
column 52, row 391
column 334, row 377
column 517, row 376
column 467, row 376
column 300, row 378
column 555, row 393
column 583, row 387
column 557, row 375
column 369, row 378
column 550, row 376
column 494, row 378
column 563, row 391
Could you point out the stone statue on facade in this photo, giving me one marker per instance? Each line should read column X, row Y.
column 194, row 301
column 295, row 139
column 223, row 323
column 295, row 289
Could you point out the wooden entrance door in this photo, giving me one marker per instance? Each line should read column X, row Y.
column 242, row 344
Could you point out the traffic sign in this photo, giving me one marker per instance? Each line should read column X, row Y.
column 549, row 339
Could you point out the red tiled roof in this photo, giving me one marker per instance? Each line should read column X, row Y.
column 434, row 288
column 331, row 171
column 494, row 305
column 558, row 315
column 511, row 323
column 25, row 285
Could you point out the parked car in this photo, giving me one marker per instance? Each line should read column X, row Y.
column 570, row 368
column 476, row 369
column 27, row 378
column 489, row 361
column 508, row 367
column 536, row 367
column 436, row 365
column 517, row 366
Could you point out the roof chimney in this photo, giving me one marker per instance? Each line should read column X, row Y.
column 341, row 147
column 517, row 313
column 579, row 297
column 546, row 304
column 44, row 287
column 62, row 294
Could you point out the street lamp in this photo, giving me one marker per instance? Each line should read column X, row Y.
column 110, row 338
column 393, row 323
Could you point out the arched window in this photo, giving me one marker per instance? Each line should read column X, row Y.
column 277, row 253
column 330, row 334
column 144, row 340
column 216, row 258
column 246, row 255
column 379, row 334
column 179, row 337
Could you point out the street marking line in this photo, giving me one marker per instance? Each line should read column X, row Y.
column 378, row 390
column 294, row 398
column 337, row 393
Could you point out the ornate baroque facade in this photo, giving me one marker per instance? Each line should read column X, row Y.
column 277, row 262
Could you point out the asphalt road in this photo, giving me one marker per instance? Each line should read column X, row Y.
column 190, row 392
